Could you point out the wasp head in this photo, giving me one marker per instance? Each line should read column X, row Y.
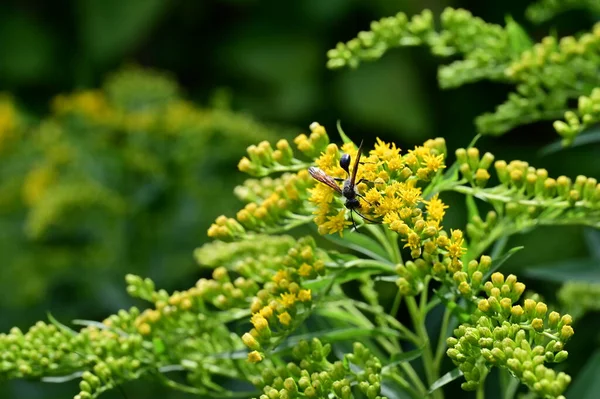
column 345, row 162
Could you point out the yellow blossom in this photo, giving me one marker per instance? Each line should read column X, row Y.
column 304, row 295
column 285, row 318
column 254, row 357
column 259, row 322
column 434, row 162
column 305, row 270
column 335, row 224
column 288, row 299
column 435, row 208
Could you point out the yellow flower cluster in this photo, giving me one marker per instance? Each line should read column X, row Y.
column 283, row 303
column 389, row 184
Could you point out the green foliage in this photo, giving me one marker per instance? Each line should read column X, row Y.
column 546, row 75
column 109, row 168
column 545, row 10
column 283, row 286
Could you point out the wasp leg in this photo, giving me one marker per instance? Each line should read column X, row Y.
column 339, row 179
column 365, row 181
column 365, row 218
column 353, row 222
column 363, row 198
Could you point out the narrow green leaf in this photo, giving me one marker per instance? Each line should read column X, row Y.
column 344, row 334
column 585, row 270
column 343, row 135
column 590, row 136
column 518, row 38
column 403, row 357
column 496, row 263
column 62, row 378
column 61, row 326
column 343, row 276
column 445, row 379
column 360, row 243
column 472, row 209
column 587, row 383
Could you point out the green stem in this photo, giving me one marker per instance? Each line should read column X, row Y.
column 384, row 241
column 406, row 386
column 392, row 349
column 419, row 325
column 393, row 243
column 481, row 391
column 441, row 345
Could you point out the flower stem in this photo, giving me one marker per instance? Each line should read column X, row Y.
column 419, row 326
column 441, row 345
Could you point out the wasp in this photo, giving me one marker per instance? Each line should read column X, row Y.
column 348, row 189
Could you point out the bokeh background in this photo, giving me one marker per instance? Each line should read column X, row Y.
column 83, row 201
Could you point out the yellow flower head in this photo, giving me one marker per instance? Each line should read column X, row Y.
column 288, row 299
column 435, row 208
column 285, row 318
column 335, row 224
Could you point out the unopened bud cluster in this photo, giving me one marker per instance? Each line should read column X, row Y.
column 311, row 375
column 545, row 76
column 221, row 292
column 586, row 115
column 47, row 350
column 521, row 338
column 526, row 191
column 283, row 303
column 485, row 47
column 273, row 203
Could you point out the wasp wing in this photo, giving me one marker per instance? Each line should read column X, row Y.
column 355, row 167
column 324, row 178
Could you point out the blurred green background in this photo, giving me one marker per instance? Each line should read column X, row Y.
column 127, row 176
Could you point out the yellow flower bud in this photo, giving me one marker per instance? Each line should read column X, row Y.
column 566, row 332
column 250, row 341
column 537, row 324
column 254, row 357
column 285, row 318
column 304, row 296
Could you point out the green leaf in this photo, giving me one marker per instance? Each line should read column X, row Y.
column 445, row 379
column 518, row 38
column 360, row 243
column 585, row 270
column 403, row 357
column 61, row 326
column 345, row 275
column 587, row 384
column 344, row 334
column 590, row 136
column 343, row 135
column 472, row 209
column 496, row 263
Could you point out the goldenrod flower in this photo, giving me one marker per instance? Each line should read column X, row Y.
column 285, row 318
column 254, row 357
column 435, row 208
column 335, row 224
column 288, row 299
